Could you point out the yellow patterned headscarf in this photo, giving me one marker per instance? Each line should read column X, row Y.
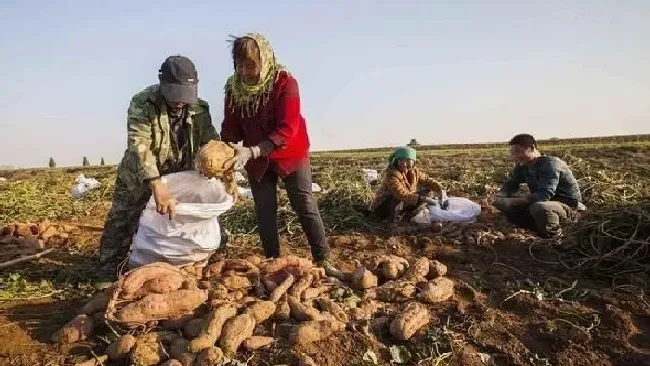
column 249, row 98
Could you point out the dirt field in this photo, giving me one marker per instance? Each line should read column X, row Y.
column 514, row 302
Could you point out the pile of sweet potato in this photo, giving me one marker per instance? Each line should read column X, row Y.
column 202, row 315
column 36, row 235
column 480, row 233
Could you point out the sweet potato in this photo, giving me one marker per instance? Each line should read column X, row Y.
column 98, row 303
column 161, row 306
column 301, row 311
column 214, row 269
column 436, row 269
column 257, row 342
column 438, row 289
column 149, row 348
column 212, row 328
column 240, row 265
column 48, row 233
column 121, row 347
column 190, row 283
column 409, row 321
column 211, row 356
column 164, row 284
column 78, row 329
column 370, row 307
column 235, row 282
column 392, row 270
column 328, row 305
column 218, row 292
column 363, row 279
column 313, row 292
column 283, row 311
column 137, row 277
column 314, row 331
column 172, row 362
column 393, row 291
column 193, row 328
column 419, row 269
column 235, row 331
column 236, row 295
column 288, row 261
column 277, row 293
column 261, row 310
column 301, row 285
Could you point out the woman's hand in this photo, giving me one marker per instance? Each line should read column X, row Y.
column 165, row 203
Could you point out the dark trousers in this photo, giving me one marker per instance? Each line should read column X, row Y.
column 298, row 186
column 395, row 210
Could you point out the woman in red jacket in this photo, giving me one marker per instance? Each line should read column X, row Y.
column 262, row 109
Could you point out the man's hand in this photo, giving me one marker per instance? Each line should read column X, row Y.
column 165, row 203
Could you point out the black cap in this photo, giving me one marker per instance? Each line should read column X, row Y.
column 179, row 80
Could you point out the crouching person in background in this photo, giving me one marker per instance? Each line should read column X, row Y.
column 554, row 196
column 405, row 189
column 167, row 124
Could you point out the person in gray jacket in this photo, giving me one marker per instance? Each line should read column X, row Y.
column 554, row 196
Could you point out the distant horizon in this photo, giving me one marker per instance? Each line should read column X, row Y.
column 645, row 136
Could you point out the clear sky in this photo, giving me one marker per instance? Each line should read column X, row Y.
column 371, row 73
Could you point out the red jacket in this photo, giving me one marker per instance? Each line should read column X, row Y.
column 279, row 121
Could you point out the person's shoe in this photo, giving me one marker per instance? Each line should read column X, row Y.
column 330, row 269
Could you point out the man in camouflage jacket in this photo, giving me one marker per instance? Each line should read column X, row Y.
column 167, row 124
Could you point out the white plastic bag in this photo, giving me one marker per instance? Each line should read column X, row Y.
column 460, row 210
column 315, row 188
column 422, row 217
column 83, row 185
column 371, row 175
column 194, row 234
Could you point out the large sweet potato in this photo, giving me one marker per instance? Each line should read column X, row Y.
column 313, row 292
column 301, row 285
column 235, row 331
column 409, row 321
column 240, row 265
column 282, row 288
column 161, row 306
column 261, row 310
column 301, row 311
column 212, row 329
column 283, row 311
column 164, row 284
column 438, row 289
column 328, row 305
column 121, row 347
column 137, row 277
column 313, row 331
column 78, row 329
column 285, row 262
column 149, row 349
column 419, row 269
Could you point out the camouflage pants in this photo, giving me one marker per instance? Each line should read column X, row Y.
column 122, row 221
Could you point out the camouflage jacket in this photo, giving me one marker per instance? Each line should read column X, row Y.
column 151, row 149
